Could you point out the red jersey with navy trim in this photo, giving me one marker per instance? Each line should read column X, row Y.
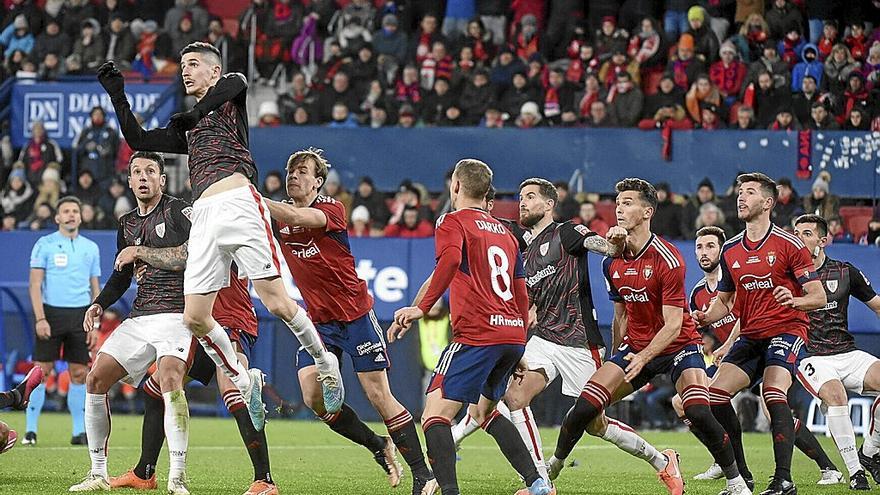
column 753, row 271
column 701, row 298
column 323, row 267
column 481, row 301
column 645, row 283
column 233, row 307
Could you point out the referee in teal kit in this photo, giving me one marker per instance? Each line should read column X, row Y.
column 65, row 267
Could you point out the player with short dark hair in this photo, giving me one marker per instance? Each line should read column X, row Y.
column 767, row 274
column 653, row 334
column 153, row 332
column 314, row 239
column 835, row 365
column 230, row 219
column 235, row 312
column 478, row 260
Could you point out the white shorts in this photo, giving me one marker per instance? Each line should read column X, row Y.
column 138, row 342
column 575, row 364
column 850, row 368
column 231, row 225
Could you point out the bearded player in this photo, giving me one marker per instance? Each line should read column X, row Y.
column 312, row 229
column 769, row 275
column 230, row 220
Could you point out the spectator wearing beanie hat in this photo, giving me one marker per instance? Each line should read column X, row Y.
column 710, row 117
column 820, row 201
column 685, row 67
column 791, row 46
column 390, row 42
column 18, row 195
column 781, row 16
column 705, row 40
column 50, row 187
column 17, row 37
column 705, row 194
column 360, row 222
column 268, row 114
column 728, row 74
column 609, row 38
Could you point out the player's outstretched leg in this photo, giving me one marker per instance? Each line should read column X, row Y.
column 593, row 400
column 714, row 471
column 509, row 441
column 695, row 402
column 624, row 437
column 807, row 443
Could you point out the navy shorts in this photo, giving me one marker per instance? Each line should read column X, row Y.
column 753, row 355
column 203, row 368
column 361, row 339
column 690, row 356
column 465, row 372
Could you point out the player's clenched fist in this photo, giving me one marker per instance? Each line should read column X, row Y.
column 93, row 318
column 111, row 79
column 616, row 235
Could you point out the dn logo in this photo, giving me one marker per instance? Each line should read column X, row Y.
column 46, row 107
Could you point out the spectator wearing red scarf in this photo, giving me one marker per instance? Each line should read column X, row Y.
column 39, row 151
column 857, row 41
column 438, row 64
column 684, row 67
column 527, row 40
column 619, row 63
column 828, row 39
column 728, row 74
column 855, row 93
column 407, row 89
column 584, row 63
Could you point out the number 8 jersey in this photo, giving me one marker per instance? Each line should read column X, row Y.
column 481, row 301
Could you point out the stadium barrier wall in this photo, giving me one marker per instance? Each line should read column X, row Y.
column 394, row 270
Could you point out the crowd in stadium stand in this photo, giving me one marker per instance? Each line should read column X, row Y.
column 676, row 64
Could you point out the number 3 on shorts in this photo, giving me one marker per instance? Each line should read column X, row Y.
column 499, row 271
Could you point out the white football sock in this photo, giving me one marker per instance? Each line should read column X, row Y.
column 842, row 432
column 219, row 348
column 528, row 430
column 176, row 431
column 304, row 330
column 464, row 428
column 502, row 409
column 871, row 446
column 627, row 440
column 97, row 418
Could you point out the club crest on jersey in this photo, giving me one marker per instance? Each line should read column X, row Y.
column 648, row 271
column 160, row 230
column 832, row 285
column 771, row 258
column 544, row 248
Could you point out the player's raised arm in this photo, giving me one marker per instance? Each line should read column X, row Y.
column 228, row 88
column 578, row 240
column 296, row 216
column 163, row 139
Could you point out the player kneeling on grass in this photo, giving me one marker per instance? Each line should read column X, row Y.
column 235, row 312
column 314, row 241
column 489, row 308
column 17, row 399
column 154, row 331
column 835, row 365
column 653, row 334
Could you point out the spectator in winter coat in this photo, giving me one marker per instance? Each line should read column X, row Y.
column 667, row 217
column 785, row 121
column 728, row 74
column 705, row 40
column 856, row 93
column 476, row 97
column 567, row 207
column 627, row 101
column 119, row 42
column 710, row 117
column 770, row 62
column 828, row 39
column 505, row 67
column 667, row 93
column 273, row 186
column 408, row 90
column 669, row 115
column 422, row 41
column 517, row 94
column 684, row 67
column 17, row 37
column 390, row 42
column 89, row 48
column 96, row 147
column 609, row 38
column 39, row 151
column 820, row 201
column 437, row 102
column 857, row 41
column 859, row 119
column 410, row 226
column 437, row 64
column 803, row 101
column 691, row 210
column 837, row 69
column 559, row 99
column 791, row 45
column 871, row 67
column 709, row 215
column 821, row 119
column 646, row 46
column 87, row 191
column 52, row 40
column 788, row 205
column 781, row 16
column 615, row 65
column 340, row 92
column 587, row 217
column 809, row 65
column 599, row 116
column 584, row 64
column 367, row 196
column 753, row 36
column 745, row 119
column 18, row 195
column 702, row 91
column 768, row 100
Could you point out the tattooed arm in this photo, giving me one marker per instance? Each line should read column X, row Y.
column 578, row 240
column 170, row 258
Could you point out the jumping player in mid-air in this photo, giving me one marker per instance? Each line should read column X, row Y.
column 312, row 229
column 230, row 220
column 835, row 365
column 769, row 275
column 653, row 334
column 478, row 260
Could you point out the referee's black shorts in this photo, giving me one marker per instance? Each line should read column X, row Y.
column 66, row 333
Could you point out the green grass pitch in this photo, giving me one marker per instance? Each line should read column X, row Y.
column 308, row 459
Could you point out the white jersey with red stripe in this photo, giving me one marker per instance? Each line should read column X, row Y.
column 233, row 225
